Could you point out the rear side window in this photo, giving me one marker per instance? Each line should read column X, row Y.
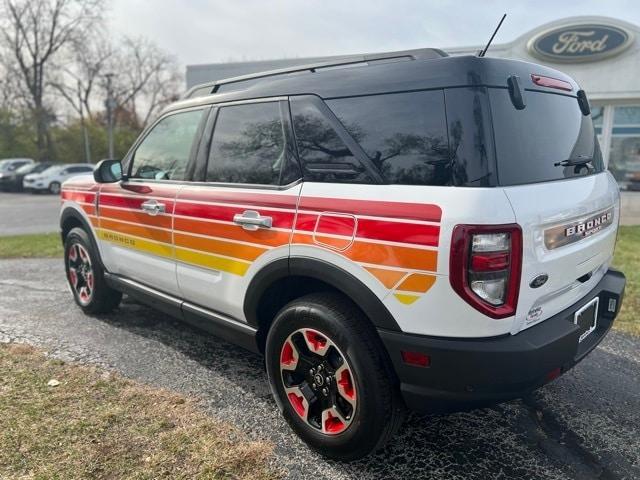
column 544, row 141
column 403, row 134
column 250, row 146
column 323, row 154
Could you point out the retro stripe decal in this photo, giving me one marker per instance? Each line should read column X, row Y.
column 395, row 242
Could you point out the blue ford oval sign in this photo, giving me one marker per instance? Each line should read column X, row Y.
column 580, row 43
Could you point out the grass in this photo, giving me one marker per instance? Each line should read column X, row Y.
column 627, row 259
column 95, row 424
column 28, row 246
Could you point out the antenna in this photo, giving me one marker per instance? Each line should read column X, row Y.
column 482, row 52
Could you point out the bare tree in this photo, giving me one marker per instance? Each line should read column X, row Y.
column 145, row 79
column 78, row 79
column 33, row 33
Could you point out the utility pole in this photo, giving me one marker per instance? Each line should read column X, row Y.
column 110, row 104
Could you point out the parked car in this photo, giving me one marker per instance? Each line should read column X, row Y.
column 13, row 182
column 51, row 179
column 8, row 167
column 422, row 231
column 633, row 181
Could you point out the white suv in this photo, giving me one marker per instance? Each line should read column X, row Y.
column 422, row 231
column 51, row 179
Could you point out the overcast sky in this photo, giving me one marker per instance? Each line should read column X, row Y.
column 201, row 31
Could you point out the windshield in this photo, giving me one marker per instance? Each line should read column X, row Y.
column 550, row 139
column 50, row 170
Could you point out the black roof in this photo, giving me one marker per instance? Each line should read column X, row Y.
column 403, row 74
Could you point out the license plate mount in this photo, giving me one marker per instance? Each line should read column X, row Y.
column 587, row 318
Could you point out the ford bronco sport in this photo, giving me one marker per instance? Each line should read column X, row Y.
column 401, row 230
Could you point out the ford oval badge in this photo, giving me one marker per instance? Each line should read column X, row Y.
column 539, row 280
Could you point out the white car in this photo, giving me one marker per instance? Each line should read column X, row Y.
column 9, row 165
column 433, row 233
column 52, row 178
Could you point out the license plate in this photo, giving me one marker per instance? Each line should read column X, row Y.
column 587, row 318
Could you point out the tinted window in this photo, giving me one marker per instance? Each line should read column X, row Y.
column 470, row 137
column 323, row 154
column 404, row 135
column 531, row 143
column 164, row 153
column 250, row 146
column 79, row 169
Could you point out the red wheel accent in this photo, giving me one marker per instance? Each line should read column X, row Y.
column 287, row 354
column 331, row 423
column 345, row 384
column 298, row 404
column 73, row 277
column 315, row 340
column 73, row 253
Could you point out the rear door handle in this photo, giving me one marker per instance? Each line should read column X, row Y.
column 153, row 207
column 252, row 220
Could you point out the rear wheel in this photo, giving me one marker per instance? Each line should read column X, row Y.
column 54, row 187
column 85, row 275
column 330, row 377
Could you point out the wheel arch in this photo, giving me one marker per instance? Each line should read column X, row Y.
column 72, row 218
column 286, row 279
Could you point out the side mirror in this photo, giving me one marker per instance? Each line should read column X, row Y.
column 108, row 171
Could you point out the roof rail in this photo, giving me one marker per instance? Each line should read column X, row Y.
column 209, row 88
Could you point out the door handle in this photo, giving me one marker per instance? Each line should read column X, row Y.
column 251, row 220
column 153, row 208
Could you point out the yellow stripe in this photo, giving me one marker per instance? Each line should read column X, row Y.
column 160, row 249
column 212, row 261
column 406, row 299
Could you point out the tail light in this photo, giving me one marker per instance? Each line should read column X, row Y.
column 485, row 266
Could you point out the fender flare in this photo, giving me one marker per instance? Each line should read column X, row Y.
column 328, row 273
column 71, row 212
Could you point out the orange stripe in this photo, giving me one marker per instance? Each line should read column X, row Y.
column 417, row 282
column 388, row 255
column 143, row 218
column 139, row 231
column 89, row 209
column 94, row 221
column 210, row 245
column 271, row 238
column 388, row 277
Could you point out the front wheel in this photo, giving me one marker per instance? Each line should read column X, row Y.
column 330, row 377
column 85, row 275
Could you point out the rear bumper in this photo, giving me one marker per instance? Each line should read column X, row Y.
column 469, row 373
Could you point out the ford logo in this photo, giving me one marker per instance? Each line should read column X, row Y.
column 539, row 280
column 580, row 43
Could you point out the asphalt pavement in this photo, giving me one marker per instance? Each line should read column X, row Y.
column 22, row 213
column 585, row 425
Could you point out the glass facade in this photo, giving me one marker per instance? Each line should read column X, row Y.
column 624, row 146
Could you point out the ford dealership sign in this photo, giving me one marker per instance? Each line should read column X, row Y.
column 580, row 43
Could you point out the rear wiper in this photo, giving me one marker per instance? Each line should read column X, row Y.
column 571, row 162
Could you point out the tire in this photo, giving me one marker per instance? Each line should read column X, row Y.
column 85, row 275
column 54, row 187
column 361, row 409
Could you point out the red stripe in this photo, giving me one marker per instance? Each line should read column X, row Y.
column 248, row 198
column 224, row 213
column 147, row 189
column 411, row 211
column 87, row 197
column 399, row 232
column 110, row 200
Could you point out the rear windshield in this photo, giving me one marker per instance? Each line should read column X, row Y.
column 550, row 139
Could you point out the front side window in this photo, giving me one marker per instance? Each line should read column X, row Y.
column 165, row 151
column 249, row 146
column 403, row 134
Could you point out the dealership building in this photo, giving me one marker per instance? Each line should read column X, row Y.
column 602, row 54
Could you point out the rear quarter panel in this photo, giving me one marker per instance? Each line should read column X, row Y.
column 399, row 247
